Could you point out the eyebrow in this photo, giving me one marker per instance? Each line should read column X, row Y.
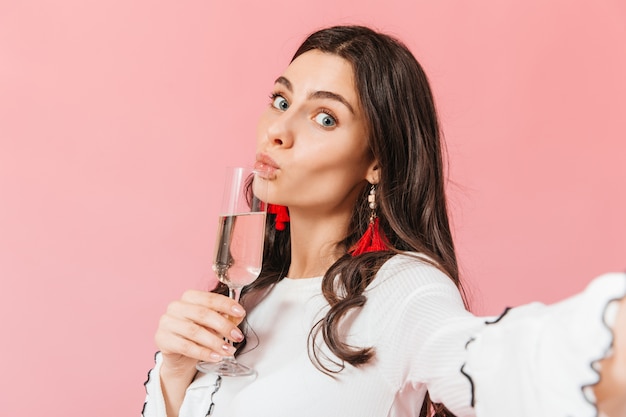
column 317, row 94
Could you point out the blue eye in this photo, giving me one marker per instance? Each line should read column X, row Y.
column 280, row 103
column 325, row 120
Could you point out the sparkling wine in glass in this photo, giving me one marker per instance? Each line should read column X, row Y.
column 239, row 247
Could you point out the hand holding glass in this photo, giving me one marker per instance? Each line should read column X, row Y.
column 239, row 247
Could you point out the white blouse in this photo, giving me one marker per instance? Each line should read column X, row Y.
column 534, row 360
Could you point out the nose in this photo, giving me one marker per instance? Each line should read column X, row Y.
column 280, row 131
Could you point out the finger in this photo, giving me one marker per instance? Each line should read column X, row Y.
column 217, row 302
column 189, row 339
column 225, row 326
column 188, row 349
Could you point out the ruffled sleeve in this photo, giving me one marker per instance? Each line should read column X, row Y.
column 539, row 360
column 154, row 406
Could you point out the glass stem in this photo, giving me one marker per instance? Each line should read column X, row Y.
column 234, row 293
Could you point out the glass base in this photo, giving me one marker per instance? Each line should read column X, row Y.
column 226, row 367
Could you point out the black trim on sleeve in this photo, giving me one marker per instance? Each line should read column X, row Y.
column 500, row 317
column 145, row 385
column 604, row 355
column 462, row 370
column 218, row 384
column 471, row 381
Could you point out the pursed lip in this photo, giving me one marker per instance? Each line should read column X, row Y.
column 265, row 165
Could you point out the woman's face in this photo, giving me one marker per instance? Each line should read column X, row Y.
column 312, row 138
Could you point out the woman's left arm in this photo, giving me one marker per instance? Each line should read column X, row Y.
column 610, row 391
column 564, row 359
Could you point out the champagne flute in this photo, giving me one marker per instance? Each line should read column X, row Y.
column 239, row 247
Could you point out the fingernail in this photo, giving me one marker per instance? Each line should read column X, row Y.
column 237, row 310
column 236, row 335
column 228, row 348
column 215, row 356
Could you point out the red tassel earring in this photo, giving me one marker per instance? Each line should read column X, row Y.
column 282, row 215
column 373, row 239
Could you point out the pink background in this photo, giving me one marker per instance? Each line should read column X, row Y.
column 117, row 118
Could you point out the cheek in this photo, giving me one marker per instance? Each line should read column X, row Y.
column 331, row 169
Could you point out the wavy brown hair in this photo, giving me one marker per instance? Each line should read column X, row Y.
column 405, row 139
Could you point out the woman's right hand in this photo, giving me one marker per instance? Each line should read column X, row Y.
column 193, row 329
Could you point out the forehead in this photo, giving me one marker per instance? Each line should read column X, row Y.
column 320, row 71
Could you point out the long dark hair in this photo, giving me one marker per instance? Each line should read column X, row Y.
column 405, row 139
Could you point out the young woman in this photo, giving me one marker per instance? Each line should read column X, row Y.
column 358, row 310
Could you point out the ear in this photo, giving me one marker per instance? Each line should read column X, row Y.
column 373, row 173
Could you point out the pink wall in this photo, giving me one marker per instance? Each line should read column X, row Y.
column 116, row 119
